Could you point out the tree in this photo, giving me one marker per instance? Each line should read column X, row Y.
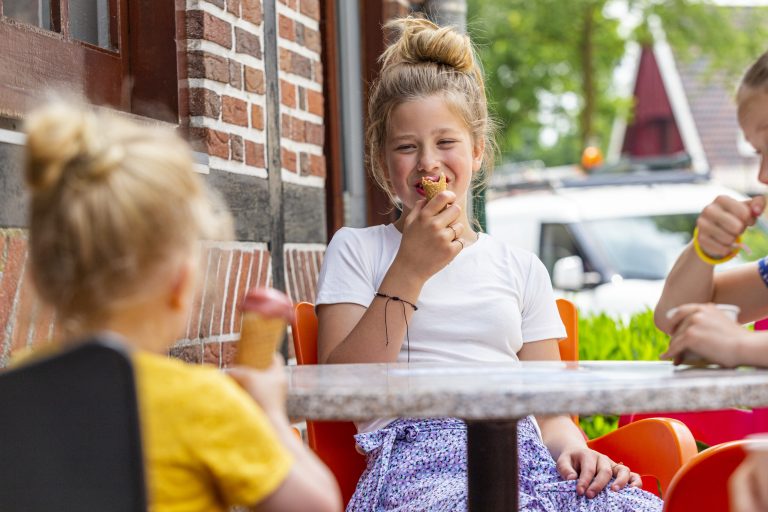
column 550, row 63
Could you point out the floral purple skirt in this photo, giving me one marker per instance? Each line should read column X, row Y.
column 422, row 465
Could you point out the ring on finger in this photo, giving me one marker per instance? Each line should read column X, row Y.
column 459, row 240
column 455, row 235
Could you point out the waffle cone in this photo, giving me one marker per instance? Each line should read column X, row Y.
column 432, row 188
column 259, row 339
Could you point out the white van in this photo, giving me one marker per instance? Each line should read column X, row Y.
column 608, row 247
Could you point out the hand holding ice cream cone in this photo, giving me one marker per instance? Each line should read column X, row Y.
column 266, row 313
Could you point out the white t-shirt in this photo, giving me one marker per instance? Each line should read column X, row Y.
column 482, row 306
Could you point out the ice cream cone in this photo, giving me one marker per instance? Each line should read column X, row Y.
column 266, row 313
column 432, row 188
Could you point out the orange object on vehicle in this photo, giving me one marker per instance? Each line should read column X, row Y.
column 591, row 157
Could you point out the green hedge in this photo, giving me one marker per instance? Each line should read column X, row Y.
column 603, row 338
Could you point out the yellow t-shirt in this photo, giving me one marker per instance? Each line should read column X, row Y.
column 207, row 445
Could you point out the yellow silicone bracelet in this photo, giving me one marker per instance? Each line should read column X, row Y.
column 707, row 258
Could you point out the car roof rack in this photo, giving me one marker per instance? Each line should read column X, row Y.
column 533, row 175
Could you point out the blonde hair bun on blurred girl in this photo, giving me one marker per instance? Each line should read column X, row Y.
column 114, row 206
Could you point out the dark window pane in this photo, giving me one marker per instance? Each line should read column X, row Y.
column 89, row 21
column 33, row 12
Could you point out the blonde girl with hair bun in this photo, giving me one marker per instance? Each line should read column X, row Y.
column 429, row 288
column 687, row 308
column 116, row 217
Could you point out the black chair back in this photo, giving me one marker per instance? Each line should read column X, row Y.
column 69, row 433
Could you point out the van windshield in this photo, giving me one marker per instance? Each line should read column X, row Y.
column 642, row 247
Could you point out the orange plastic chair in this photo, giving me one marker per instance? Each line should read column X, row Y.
column 332, row 441
column 702, row 483
column 657, row 447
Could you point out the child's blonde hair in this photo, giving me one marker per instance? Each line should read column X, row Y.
column 755, row 78
column 427, row 60
column 114, row 206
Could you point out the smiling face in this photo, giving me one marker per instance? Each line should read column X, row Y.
column 753, row 119
column 426, row 138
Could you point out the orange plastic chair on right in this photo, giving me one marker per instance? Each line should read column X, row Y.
column 702, row 483
column 655, row 447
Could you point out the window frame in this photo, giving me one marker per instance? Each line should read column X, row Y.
column 140, row 74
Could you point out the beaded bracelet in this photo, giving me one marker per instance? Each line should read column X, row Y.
column 707, row 258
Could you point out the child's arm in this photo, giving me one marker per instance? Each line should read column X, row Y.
column 351, row 333
column 309, row 486
column 692, row 280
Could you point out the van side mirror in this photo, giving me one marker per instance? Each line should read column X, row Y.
column 568, row 273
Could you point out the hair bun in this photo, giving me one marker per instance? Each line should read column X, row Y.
column 420, row 40
column 61, row 135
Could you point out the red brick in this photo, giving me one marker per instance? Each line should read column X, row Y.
column 257, row 117
column 203, row 25
column 290, row 3
column 254, row 154
column 220, row 298
column 314, row 133
column 310, row 8
column 263, row 277
column 247, row 43
column 210, row 299
column 285, row 27
column 212, row 353
column 304, row 165
column 317, row 165
column 193, row 325
column 233, row 6
column 236, row 147
column 236, row 75
column 287, row 94
column 204, row 102
column 312, row 39
column 285, row 59
column 216, row 143
column 230, row 303
column 298, row 64
column 288, row 159
column 228, row 351
column 315, row 102
column 292, row 128
column 317, row 72
column 25, row 311
column 189, row 354
column 242, row 285
column 10, row 279
column 254, row 80
column 234, row 111
column 290, row 269
column 206, row 65
column 251, row 11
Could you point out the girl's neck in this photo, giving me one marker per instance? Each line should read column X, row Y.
column 139, row 328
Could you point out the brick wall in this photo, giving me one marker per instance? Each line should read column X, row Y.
column 223, row 107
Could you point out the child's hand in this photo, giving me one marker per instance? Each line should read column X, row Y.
column 706, row 331
column 268, row 387
column 594, row 471
column 430, row 235
column 748, row 486
column 724, row 220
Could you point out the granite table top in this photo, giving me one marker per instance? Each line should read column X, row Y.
column 497, row 391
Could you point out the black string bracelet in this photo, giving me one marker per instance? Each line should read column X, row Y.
column 386, row 327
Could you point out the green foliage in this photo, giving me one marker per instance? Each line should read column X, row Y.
column 603, row 338
column 757, row 241
column 538, row 53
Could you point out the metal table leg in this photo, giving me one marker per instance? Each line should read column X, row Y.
column 492, row 465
